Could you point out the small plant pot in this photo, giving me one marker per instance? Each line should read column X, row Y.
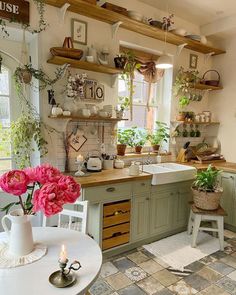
column 121, row 149
column 207, row 200
column 25, row 76
column 120, row 62
column 180, row 117
column 155, row 148
column 138, row 149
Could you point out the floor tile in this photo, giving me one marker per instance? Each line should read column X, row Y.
column 219, row 255
column 228, row 285
column 165, row 277
column 229, row 234
column 232, row 275
column 164, row 292
column 146, row 252
column 182, row 288
column 161, row 262
column 213, row 290
column 209, row 259
column 115, row 293
column 123, row 263
column 138, row 257
column 229, row 249
column 221, row 267
column 197, row 282
column 118, row 281
column 131, row 290
column 150, row 285
column 101, row 288
column 230, row 260
column 108, row 269
column 135, row 274
column 209, row 274
column 150, row 266
column 195, row 266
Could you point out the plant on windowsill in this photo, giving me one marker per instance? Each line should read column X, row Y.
column 125, row 138
column 140, row 139
column 124, row 104
column 160, row 134
column 206, row 189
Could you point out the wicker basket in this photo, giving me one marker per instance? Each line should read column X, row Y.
column 211, row 82
column 206, row 201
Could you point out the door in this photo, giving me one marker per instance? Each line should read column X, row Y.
column 161, row 212
column 140, row 217
column 227, row 181
column 181, row 207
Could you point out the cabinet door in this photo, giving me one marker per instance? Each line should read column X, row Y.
column 161, row 212
column 227, row 181
column 140, row 217
column 181, row 208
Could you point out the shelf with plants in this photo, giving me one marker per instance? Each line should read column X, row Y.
column 84, row 65
column 200, row 86
column 92, row 119
column 111, row 17
column 195, row 123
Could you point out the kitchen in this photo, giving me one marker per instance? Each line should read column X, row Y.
column 91, row 84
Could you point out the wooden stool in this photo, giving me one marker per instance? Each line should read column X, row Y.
column 216, row 217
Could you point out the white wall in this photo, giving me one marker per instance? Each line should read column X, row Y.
column 223, row 103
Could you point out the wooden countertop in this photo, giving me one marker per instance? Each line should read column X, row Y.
column 122, row 175
column 109, row 176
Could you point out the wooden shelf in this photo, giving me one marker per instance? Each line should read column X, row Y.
column 111, row 17
column 84, row 65
column 195, row 123
column 207, row 87
column 92, row 119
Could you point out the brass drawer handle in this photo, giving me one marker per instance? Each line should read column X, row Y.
column 110, row 189
column 119, row 212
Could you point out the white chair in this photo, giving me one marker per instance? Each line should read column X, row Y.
column 73, row 215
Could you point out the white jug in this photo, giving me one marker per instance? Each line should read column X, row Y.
column 20, row 236
column 134, row 169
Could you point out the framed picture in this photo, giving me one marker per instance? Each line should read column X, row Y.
column 193, row 61
column 79, row 31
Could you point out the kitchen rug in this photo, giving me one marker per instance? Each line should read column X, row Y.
column 177, row 252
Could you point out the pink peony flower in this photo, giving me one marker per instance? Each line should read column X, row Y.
column 50, row 199
column 70, row 187
column 44, row 173
column 14, row 182
column 31, row 173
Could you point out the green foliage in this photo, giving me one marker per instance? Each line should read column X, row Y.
column 184, row 101
column 124, row 103
column 23, row 131
column 207, row 180
column 125, row 136
column 160, row 134
column 140, row 137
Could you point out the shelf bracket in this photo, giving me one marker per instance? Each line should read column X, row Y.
column 180, row 48
column 115, row 28
column 207, row 56
column 62, row 12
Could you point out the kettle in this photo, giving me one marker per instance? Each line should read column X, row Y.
column 93, row 162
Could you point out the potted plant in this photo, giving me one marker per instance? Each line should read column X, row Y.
column 120, row 61
column 140, row 139
column 124, row 103
column 160, row 134
column 206, row 189
column 123, row 137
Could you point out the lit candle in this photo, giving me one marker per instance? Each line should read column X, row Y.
column 80, row 158
column 63, row 254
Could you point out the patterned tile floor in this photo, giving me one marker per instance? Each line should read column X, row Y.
column 139, row 272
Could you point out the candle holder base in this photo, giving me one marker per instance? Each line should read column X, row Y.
column 60, row 280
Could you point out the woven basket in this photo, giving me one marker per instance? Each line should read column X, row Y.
column 206, row 201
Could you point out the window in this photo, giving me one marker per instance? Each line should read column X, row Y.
column 5, row 147
column 142, row 117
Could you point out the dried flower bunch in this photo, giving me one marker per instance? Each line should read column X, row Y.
column 75, row 85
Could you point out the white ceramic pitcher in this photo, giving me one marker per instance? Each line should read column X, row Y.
column 20, row 236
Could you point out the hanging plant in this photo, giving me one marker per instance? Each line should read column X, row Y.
column 42, row 24
column 128, row 75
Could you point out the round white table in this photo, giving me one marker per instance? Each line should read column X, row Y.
column 32, row 279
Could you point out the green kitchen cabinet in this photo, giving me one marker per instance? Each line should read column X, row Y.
column 228, row 200
column 140, row 217
column 161, row 212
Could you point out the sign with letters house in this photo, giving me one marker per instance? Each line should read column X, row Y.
column 15, row 10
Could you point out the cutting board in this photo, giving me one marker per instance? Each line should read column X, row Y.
column 209, row 162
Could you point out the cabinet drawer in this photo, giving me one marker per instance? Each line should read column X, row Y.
column 115, row 241
column 116, row 208
column 141, row 186
column 116, row 219
column 108, row 192
column 116, row 230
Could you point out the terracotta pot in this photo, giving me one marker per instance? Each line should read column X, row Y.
column 206, row 200
column 155, row 148
column 25, row 76
column 138, row 149
column 121, row 149
column 180, row 117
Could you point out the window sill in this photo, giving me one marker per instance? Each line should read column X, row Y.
column 144, row 154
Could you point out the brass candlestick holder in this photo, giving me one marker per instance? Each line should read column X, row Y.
column 64, row 278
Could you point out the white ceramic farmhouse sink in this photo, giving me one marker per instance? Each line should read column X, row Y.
column 169, row 173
